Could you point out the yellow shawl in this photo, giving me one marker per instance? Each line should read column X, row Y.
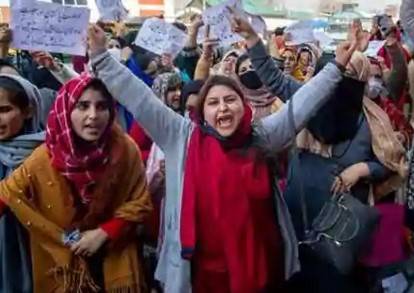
column 42, row 200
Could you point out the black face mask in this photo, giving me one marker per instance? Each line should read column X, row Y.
column 250, row 80
column 339, row 119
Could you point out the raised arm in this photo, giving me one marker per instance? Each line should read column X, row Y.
column 60, row 71
column 277, row 130
column 162, row 124
column 278, row 83
column 397, row 79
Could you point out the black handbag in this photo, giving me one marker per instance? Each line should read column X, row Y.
column 339, row 231
column 341, row 228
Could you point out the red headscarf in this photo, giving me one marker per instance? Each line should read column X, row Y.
column 227, row 216
column 80, row 162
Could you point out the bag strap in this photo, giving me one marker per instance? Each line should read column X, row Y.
column 295, row 152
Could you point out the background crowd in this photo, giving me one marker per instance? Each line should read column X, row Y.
column 128, row 171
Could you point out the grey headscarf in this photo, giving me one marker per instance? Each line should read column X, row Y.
column 15, row 264
column 14, row 151
column 163, row 83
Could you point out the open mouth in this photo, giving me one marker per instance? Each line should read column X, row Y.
column 92, row 128
column 225, row 121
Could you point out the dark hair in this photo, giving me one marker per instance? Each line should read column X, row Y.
column 240, row 60
column 5, row 63
column 130, row 38
column 215, row 80
column 190, row 88
column 17, row 94
column 19, row 99
column 98, row 85
column 305, row 50
column 120, row 40
column 279, row 31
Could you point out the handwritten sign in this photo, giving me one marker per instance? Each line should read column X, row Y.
column 49, row 27
column 373, row 48
column 111, row 10
column 219, row 16
column 161, row 37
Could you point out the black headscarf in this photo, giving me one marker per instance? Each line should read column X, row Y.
column 190, row 88
column 340, row 118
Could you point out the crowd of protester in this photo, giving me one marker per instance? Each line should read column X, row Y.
column 128, row 171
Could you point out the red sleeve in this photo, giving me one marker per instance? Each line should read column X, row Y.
column 2, row 206
column 397, row 118
column 114, row 227
column 142, row 139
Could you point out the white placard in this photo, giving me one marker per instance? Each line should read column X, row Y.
column 111, row 10
column 41, row 26
column 299, row 33
column 161, row 37
column 218, row 17
column 373, row 48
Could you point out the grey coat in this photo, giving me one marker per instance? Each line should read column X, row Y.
column 171, row 132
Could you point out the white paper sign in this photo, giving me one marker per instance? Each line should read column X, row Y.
column 218, row 17
column 373, row 48
column 111, row 10
column 299, row 33
column 41, row 26
column 161, row 37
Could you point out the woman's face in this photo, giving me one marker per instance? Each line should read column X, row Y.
column 245, row 66
column 229, row 64
column 304, row 58
column 114, row 44
column 223, row 110
column 290, row 61
column 91, row 115
column 12, row 118
column 174, row 98
column 192, row 102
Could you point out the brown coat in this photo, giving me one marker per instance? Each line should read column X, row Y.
column 42, row 200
